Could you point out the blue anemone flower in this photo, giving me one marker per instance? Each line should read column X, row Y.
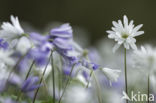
column 59, row 39
column 30, row 84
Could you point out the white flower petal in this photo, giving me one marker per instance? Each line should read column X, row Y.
column 125, row 21
column 139, row 33
column 116, row 47
column 133, row 46
column 111, row 74
column 126, row 45
column 11, row 31
column 137, row 28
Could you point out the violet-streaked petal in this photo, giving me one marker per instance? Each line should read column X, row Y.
column 38, row 37
column 62, row 44
column 64, row 31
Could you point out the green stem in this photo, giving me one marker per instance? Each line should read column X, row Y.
column 15, row 67
column 41, row 79
column 53, row 75
column 98, row 88
column 89, row 78
column 125, row 64
column 67, row 83
column 30, row 70
column 148, row 87
column 28, row 73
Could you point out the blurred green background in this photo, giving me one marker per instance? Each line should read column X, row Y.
column 93, row 15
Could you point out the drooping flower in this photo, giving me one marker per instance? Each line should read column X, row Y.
column 124, row 33
column 111, row 74
column 11, row 30
column 62, row 39
column 30, row 84
column 59, row 39
column 64, row 31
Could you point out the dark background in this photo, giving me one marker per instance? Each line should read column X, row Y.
column 95, row 16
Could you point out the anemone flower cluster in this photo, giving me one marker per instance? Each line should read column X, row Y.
column 52, row 67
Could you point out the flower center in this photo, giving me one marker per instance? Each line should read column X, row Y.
column 125, row 36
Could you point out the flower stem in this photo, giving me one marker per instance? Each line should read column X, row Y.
column 28, row 73
column 30, row 70
column 67, row 83
column 89, row 78
column 98, row 88
column 15, row 66
column 53, row 75
column 148, row 87
column 41, row 78
column 125, row 65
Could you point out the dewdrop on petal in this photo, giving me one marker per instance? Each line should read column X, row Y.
column 124, row 33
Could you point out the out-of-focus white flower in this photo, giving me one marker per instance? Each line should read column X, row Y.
column 111, row 74
column 76, row 94
column 3, row 71
column 145, row 59
column 11, row 30
column 5, row 57
column 23, row 45
column 124, row 33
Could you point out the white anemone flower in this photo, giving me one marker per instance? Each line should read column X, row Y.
column 124, row 33
column 145, row 59
column 11, row 30
column 111, row 74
